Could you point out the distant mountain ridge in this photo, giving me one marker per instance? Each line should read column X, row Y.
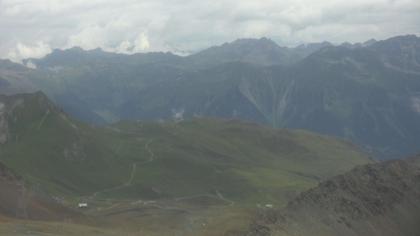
column 262, row 52
column 368, row 93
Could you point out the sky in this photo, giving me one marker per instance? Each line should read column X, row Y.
column 33, row 28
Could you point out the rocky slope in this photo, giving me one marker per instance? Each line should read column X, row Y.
column 380, row 199
column 18, row 200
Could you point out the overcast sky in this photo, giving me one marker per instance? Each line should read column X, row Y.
column 32, row 28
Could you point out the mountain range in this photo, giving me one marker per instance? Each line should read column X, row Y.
column 245, row 138
column 368, row 93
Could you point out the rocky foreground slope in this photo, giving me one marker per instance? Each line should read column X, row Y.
column 380, row 199
column 17, row 200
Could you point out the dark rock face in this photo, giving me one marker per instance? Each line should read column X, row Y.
column 377, row 199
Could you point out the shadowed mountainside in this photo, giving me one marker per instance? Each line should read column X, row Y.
column 368, row 93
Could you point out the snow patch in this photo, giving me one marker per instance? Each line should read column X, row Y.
column 415, row 104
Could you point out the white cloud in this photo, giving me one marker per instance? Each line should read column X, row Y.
column 88, row 38
column 124, row 47
column 22, row 51
column 141, row 43
column 152, row 25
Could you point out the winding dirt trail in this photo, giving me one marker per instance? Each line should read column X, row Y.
column 134, row 167
column 133, row 172
column 152, row 157
column 151, row 153
column 231, row 203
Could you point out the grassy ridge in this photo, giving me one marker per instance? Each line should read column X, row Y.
column 239, row 162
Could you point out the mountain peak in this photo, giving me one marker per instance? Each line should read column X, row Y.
column 76, row 51
column 370, row 42
column 405, row 37
column 245, row 42
column 261, row 51
column 407, row 40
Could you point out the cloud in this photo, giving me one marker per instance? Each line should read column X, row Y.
column 88, row 38
column 22, row 51
column 129, row 26
column 141, row 43
column 125, row 47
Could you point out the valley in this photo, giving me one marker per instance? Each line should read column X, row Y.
column 192, row 175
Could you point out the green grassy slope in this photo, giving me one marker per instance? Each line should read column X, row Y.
column 244, row 162
column 240, row 163
column 47, row 147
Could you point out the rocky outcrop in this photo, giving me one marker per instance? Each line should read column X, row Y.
column 380, row 199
